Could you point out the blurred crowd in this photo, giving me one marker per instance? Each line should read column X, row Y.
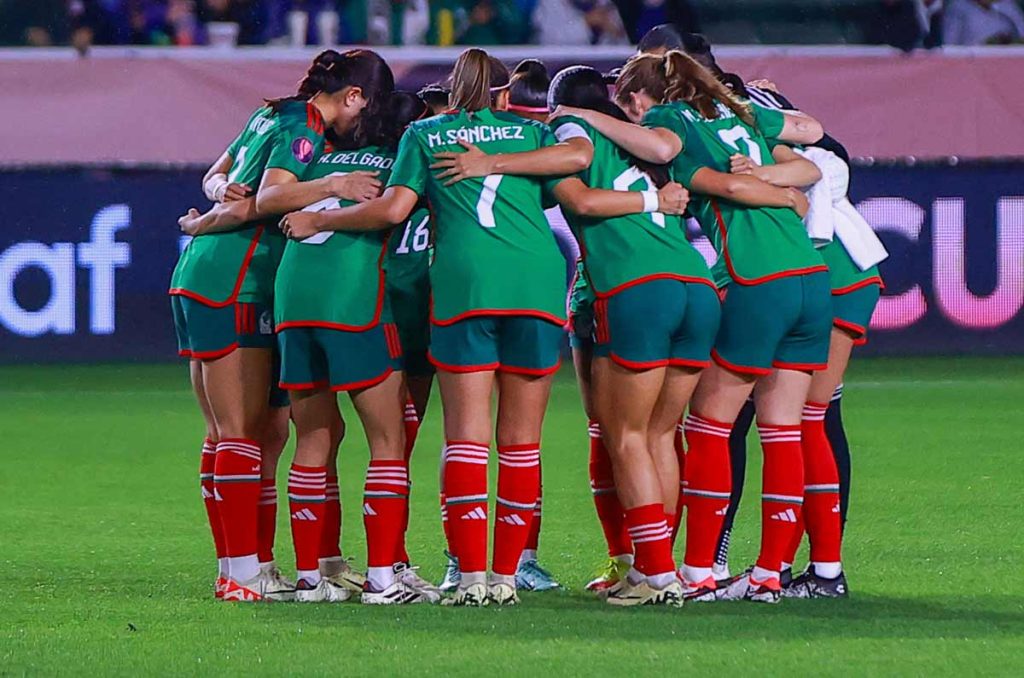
column 907, row 24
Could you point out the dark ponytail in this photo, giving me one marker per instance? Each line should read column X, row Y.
column 319, row 78
column 584, row 87
column 403, row 109
column 528, row 87
column 435, row 96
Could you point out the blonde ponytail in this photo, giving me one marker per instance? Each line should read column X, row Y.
column 476, row 79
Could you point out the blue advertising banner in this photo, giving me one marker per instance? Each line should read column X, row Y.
column 86, row 256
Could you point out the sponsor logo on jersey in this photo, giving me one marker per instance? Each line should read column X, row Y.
column 475, row 135
column 302, row 149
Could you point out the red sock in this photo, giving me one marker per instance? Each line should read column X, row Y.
column 412, row 428
column 384, row 504
column 782, row 492
column 330, row 531
column 518, row 487
column 206, row 466
column 708, row 484
column 266, row 525
column 652, row 539
column 798, row 536
column 465, row 490
column 307, row 499
column 236, row 483
column 606, row 500
column 533, row 540
column 821, row 488
column 677, row 519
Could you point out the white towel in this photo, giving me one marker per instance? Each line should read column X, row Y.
column 857, row 236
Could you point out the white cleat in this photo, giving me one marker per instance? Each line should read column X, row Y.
column 411, row 578
column 396, row 594
column 325, row 591
column 631, row 595
column 340, row 572
column 275, row 586
column 474, row 595
column 502, row 594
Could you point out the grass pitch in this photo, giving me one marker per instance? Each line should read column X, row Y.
column 108, row 565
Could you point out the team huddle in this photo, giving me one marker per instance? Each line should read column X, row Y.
column 366, row 240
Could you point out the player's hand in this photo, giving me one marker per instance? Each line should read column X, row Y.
column 300, row 225
column 764, row 83
column 189, row 223
column 458, row 166
column 673, row 198
column 563, row 111
column 800, row 203
column 235, row 191
column 741, row 164
column 358, row 186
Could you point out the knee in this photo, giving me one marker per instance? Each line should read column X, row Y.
column 274, row 439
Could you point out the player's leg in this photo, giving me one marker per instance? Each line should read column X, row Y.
column 207, row 458
column 274, row 439
column 333, row 565
column 738, row 462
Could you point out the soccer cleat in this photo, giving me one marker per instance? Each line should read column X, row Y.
column 408, row 576
column 396, row 594
column 344, row 575
column 700, row 592
column 474, row 595
column 810, row 585
column 502, row 594
column 452, row 575
column 745, row 587
column 530, row 576
column 219, row 586
column 721, row 571
column 275, row 586
column 614, row 571
column 325, row 591
column 245, row 592
column 630, row 595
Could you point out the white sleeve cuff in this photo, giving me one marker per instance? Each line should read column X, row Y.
column 572, row 130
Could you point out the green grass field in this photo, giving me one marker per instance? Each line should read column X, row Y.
column 106, row 557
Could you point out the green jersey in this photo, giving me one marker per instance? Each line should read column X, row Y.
column 494, row 253
column 845, row 275
column 218, row 269
column 623, row 251
column 409, row 252
column 754, row 244
column 335, row 279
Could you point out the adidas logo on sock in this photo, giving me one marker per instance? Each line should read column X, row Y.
column 512, row 519
column 368, row 510
column 476, row 514
column 216, row 495
column 206, row 493
column 835, row 509
column 722, row 511
column 304, row 514
column 787, row 516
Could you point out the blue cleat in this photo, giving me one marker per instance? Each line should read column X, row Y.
column 532, row 577
column 452, row 575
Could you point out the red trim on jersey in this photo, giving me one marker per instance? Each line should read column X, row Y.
column 874, row 280
column 461, row 369
column 314, row 120
column 740, row 369
column 366, row 383
column 763, row 279
column 208, row 355
column 504, row 312
column 302, row 387
column 655, row 276
column 180, row 291
column 808, row 367
column 377, row 311
column 531, row 371
column 853, row 328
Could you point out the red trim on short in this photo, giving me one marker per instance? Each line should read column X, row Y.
column 303, row 387
column 686, row 362
column 461, row 369
column 602, row 333
column 741, row 369
column 292, row 324
column 637, row 365
column 208, row 355
column 394, row 343
column 857, row 331
column 366, row 383
column 530, row 371
column 180, row 291
column 874, row 280
column 861, row 341
column 525, row 312
column 808, row 367
column 754, row 281
column 655, row 276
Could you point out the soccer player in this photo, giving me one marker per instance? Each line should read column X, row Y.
column 221, row 294
column 775, row 316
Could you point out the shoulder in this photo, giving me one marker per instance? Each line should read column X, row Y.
column 432, row 123
column 513, row 119
column 665, row 113
column 569, row 127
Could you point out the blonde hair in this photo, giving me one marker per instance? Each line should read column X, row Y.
column 677, row 77
column 476, row 80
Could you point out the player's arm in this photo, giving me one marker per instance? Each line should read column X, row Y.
column 747, row 190
column 281, row 191
column 578, row 198
column 221, row 217
column 653, row 144
column 392, row 208
column 790, row 168
column 800, row 128
column 216, row 186
column 570, row 157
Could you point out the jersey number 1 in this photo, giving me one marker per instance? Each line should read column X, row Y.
column 485, row 205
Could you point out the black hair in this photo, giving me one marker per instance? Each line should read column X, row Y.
column 435, row 95
column 404, row 108
column 584, row 87
column 528, row 87
column 697, row 47
column 662, row 36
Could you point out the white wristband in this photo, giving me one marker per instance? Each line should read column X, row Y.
column 215, row 187
column 650, row 201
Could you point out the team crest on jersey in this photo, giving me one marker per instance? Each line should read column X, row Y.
column 302, row 149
